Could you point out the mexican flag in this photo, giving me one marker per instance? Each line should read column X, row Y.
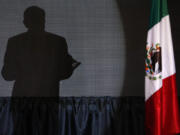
column 162, row 114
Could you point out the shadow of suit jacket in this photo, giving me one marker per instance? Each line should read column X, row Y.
column 37, row 62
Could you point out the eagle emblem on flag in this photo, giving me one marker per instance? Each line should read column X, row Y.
column 153, row 66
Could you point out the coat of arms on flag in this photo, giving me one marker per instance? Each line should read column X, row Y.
column 153, row 66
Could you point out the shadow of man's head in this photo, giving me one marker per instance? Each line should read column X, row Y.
column 34, row 18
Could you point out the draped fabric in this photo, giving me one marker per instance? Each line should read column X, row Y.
column 72, row 116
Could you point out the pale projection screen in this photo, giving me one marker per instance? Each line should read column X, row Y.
column 102, row 35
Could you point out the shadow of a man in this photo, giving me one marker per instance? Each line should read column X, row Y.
column 37, row 60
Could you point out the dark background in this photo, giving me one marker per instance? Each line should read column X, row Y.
column 174, row 12
column 107, row 36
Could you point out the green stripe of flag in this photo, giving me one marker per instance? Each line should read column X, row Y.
column 158, row 11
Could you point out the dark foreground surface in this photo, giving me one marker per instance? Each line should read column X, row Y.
column 72, row 116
